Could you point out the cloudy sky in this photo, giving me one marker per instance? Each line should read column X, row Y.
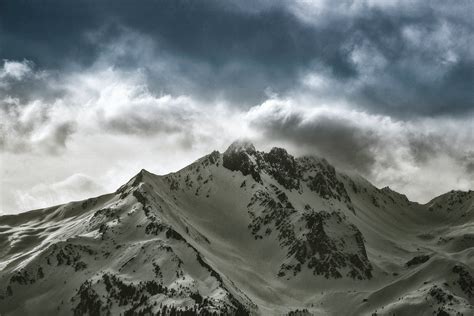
column 93, row 91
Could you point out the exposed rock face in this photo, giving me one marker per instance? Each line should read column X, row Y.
column 239, row 157
column 322, row 178
column 417, row 260
column 465, row 280
column 282, row 167
column 277, row 163
column 289, row 172
column 303, row 233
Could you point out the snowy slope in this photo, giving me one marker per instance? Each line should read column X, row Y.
column 237, row 233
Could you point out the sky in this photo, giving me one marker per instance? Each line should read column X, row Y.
column 92, row 91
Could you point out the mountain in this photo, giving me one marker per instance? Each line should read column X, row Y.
column 242, row 232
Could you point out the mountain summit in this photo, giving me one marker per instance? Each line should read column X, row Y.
column 245, row 232
column 241, row 146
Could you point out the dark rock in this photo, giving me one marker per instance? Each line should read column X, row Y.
column 417, row 260
column 283, row 167
column 238, row 158
column 465, row 280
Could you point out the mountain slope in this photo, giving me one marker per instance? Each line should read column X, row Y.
column 243, row 232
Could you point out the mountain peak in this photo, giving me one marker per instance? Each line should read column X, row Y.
column 237, row 158
column 134, row 182
column 241, row 145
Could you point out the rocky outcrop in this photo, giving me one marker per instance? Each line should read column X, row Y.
column 305, row 236
column 240, row 157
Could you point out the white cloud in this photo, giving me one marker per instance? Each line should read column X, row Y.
column 76, row 187
column 107, row 125
column 15, row 69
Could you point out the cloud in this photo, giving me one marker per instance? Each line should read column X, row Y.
column 35, row 126
column 404, row 59
column 15, row 70
column 469, row 163
column 21, row 81
column 104, row 100
column 105, row 114
column 75, row 187
column 405, row 154
column 330, row 133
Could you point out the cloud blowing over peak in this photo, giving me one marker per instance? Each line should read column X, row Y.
column 105, row 88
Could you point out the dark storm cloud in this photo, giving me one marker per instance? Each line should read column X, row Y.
column 220, row 50
column 364, row 142
column 424, row 147
column 402, row 60
column 334, row 138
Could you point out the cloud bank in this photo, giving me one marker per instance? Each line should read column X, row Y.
column 403, row 58
column 105, row 88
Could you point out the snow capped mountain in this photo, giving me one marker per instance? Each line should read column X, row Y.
column 242, row 233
